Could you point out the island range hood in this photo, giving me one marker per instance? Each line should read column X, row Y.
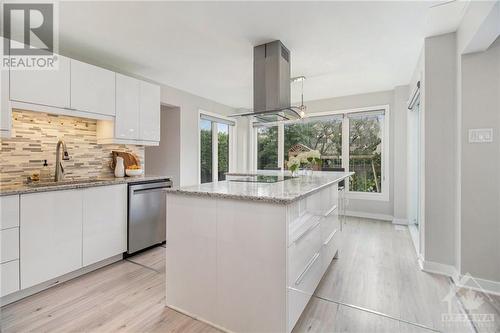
column 271, row 85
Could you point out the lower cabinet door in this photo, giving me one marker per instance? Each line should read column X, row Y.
column 50, row 235
column 104, row 222
column 9, row 272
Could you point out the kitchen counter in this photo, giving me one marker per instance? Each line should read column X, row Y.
column 71, row 184
column 282, row 192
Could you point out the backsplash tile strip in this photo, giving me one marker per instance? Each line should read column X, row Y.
column 34, row 139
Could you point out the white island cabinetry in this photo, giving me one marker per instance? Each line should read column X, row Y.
column 251, row 263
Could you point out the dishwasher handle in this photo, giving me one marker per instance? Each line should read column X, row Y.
column 151, row 189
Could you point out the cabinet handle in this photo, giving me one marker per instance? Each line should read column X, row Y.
column 306, row 231
column 308, row 267
column 331, row 210
column 330, row 237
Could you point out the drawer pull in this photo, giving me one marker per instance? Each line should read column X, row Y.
column 311, row 227
column 330, row 237
column 308, row 267
column 331, row 210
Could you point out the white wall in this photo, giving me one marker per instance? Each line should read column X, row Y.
column 440, row 148
column 480, row 165
column 164, row 160
column 189, row 106
column 399, row 114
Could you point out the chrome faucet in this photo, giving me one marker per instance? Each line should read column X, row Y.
column 59, row 168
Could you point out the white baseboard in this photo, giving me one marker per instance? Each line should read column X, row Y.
column 438, row 268
column 474, row 283
column 374, row 216
column 400, row 221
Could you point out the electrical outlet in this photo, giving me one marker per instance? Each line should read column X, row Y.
column 480, row 135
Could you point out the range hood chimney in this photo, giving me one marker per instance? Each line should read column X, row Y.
column 271, row 84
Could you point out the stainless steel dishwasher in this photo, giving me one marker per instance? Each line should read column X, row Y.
column 146, row 214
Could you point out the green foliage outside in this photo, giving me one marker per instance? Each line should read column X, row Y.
column 324, row 136
column 223, row 155
column 206, row 155
column 267, row 148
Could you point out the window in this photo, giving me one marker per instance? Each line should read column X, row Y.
column 324, row 135
column 216, row 135
column 206, row 150
column 267, row 148
column 365, row 152
column 353, row 140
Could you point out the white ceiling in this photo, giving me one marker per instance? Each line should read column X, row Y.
column 206, row 48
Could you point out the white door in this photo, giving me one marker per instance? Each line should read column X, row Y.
column 44, row 87
column 127, row 108
column 149, row 112
column 92, row 88
column 50, row 235
column 104, row 222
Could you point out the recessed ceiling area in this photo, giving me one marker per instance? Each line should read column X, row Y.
column 206, row 48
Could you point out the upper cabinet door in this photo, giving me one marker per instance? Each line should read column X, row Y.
column 127, row 107
column 149, row 112
column 44, row 87
column 92, row 88
column 5, row 112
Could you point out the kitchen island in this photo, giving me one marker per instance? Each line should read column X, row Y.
column 246, row 254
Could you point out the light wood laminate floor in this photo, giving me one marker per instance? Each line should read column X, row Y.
column 374, row 286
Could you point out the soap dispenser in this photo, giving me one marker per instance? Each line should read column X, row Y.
column 45, row 172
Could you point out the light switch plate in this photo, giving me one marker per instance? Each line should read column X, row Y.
column 480, row 135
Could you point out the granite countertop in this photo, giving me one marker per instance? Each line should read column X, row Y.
column 283, row 192
column 69, row 184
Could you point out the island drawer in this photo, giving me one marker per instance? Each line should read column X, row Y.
column 301, row 290
column 302, row 250
column 329, row 247
column 329, row 223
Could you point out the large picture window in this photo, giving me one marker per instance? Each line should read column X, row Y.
column 353, row 140
column 216, row 135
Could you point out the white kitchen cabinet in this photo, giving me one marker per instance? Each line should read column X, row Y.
column 9, row 211
column 127, row 108
column 5, row 110
column 44, row 87
column 92, row 88
column 9, row 277
column 149, row 111
column 104, row 222
column 9, row 244
column 50, row 235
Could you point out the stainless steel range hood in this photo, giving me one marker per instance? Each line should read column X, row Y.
column 271, row 85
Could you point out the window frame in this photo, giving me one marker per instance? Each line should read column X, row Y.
column 385, row 147
column 215, row 143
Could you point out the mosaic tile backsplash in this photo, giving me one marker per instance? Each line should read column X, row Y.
column 34, row 139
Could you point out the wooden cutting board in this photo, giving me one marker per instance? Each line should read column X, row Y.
column 128, row 159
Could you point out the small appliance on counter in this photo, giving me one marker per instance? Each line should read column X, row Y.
column 146, row 214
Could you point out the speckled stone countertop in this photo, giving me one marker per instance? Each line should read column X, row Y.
column 283, row 192
column 72, row 184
